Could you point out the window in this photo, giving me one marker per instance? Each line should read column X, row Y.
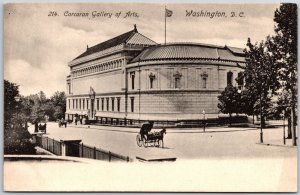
column 98, row 106
column 151, row 77
column 80, row 104
column 87, row 104
column 118, row 104
column 177, row 77
column 73, row 104
column 177, row 82
column 83, row 104
column 102, row 104
column 113, row 104
column 229, row 78
column 132, row 75
column 69, row 87
column 132, row 104
column 69, row 104
column 204, row 76
column 107, row 104
column 240, row 80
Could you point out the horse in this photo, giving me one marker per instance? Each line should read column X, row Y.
column 157, row 137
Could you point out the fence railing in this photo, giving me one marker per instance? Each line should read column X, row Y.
column 84, row 151
column 50, row 145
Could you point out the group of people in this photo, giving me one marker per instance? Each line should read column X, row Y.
column 80, row 119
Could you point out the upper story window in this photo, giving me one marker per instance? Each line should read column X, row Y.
column 151, row 78
column 204, row 77
column 132, row 75
column 240, row 80
column 83, row 104
column 229, row 78
column 69, row 88
column 177, row 77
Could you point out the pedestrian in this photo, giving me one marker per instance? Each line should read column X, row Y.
column 76, row 118
column 36, row 127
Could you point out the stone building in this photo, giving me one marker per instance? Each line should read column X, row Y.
column 132, row 77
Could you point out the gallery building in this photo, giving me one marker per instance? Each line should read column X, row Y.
column 132, row 77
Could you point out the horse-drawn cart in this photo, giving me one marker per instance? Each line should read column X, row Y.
column 62, row 123
column 146, row 139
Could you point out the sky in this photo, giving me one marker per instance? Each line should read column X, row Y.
column 38, row 47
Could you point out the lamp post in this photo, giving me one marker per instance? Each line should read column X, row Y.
column 203, row 120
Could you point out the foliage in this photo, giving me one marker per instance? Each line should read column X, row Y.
column 59, row 103
column 38, row 106
column 261, row 77
column 17, row 140
column 229, row 101
column 285, row 48
column 11, row 90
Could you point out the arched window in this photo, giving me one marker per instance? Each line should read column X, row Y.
column 177, row 77
column 151, row 78
column 204, row 76
column 229, row 78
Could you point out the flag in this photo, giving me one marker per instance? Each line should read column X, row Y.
column 169, row 13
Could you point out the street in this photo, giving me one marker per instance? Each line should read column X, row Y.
column 216, row 142
column 220, row 160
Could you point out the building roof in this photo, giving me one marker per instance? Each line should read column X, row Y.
column 131, row 37
column 235, row 50
column 188, row 51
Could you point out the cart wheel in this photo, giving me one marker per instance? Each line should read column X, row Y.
column 160, row 143
column 145, row 144
column 139, row 140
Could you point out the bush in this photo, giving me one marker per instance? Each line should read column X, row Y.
column 18, row 141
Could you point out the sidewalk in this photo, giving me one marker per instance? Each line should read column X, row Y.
column 169, row 130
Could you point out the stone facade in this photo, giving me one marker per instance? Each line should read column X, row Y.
column 141, row 80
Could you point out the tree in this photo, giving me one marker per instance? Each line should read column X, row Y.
column 59, row 103
column 260, row 75
column 229, row 101
column 285, row 50
column 17, row 140
column 248, row 103
column 11, row 90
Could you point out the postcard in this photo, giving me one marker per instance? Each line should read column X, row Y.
column 136, row 97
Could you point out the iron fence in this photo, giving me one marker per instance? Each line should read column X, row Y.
column 84, row 151
column 50, row 145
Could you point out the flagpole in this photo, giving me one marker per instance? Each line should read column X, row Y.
column 165, row 25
